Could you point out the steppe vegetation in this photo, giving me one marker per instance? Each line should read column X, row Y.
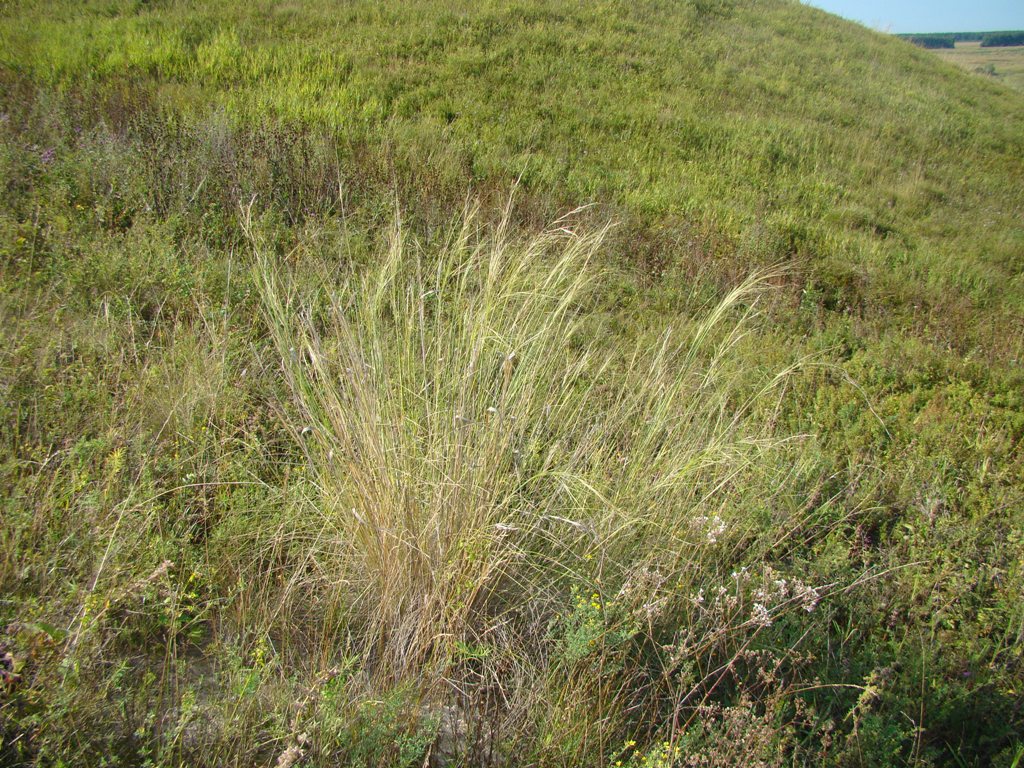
column 474, row 383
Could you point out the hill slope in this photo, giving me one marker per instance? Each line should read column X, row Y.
column 776, row 122
column 190, row 187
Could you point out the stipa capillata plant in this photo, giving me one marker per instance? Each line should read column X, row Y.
column 476, row 461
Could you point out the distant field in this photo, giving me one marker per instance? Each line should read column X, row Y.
column 1007, row 64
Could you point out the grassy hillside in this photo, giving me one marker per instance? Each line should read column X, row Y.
column 747, row 117
column 706, row 447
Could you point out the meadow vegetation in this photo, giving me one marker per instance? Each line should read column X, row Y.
column 624, row 384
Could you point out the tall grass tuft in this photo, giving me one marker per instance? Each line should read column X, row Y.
column 485, row 486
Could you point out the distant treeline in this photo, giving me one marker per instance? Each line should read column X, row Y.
column 949, row 39
column 1002, row 38
column 932, row 41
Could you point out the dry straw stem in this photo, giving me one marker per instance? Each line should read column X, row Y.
column 472, row 457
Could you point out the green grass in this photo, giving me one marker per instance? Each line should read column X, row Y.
column 743, row 120
column 707, row 446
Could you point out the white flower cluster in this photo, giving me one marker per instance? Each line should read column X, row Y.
column 713, row 527
column 781, row 590
column 807, row 595
column 760, row 615
column 765, row 596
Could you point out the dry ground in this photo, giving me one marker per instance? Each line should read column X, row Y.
column 1004, row 64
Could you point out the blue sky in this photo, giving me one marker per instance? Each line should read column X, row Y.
column 930, row 15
